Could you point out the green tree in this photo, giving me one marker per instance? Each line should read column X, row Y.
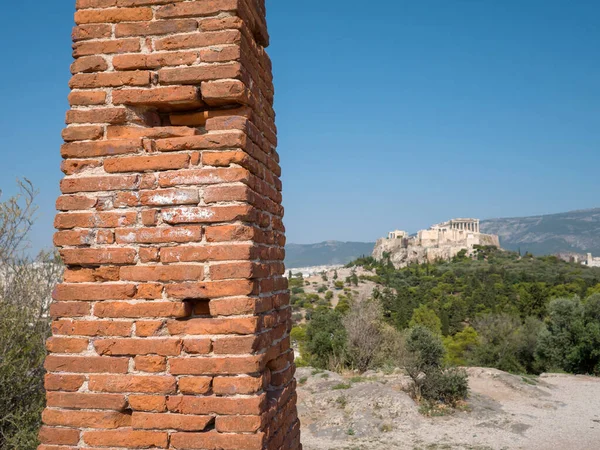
column 325, row 338
column 426, row 317
column 460, row 345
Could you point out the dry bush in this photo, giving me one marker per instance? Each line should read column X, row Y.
column 364, row 330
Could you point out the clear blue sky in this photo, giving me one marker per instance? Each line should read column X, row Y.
column 396, row 117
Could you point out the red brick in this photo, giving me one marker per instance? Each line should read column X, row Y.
column 220, row 54
column 154, row 61
column 155, row 28
column 159, row 235
column 239, row 306
column 195, row 385
column 82, row 133
column 79, row 237
column 109, row 79
column 197, row 346
column 216, row 405
column 196, row 9
column 205, row 253
column 62, row 382
column 237, row 345
column 92, row 256
column 100, row 148
column 224, row 92
column 150, row 421
column 142, row 309
column 152, row 363
column 148, row 327
column 175, row 95
column 93, row 292
column 104, row 115
column 210, row 141
column 237, row 385
column 237, row 424
column 132, row 347
column 91, row 31
column 98, row 256
column 99, row 183
column 56, row 344
column 94, row 220
column 241, row 325
column 80, row 275
column 69, row 309
column 89, row 64
column 75, row 202
column 87, row 98
column 215, row 440
column 212, row 214
column 162, row 273
column 136, row 132
column 78, row 400
column 84, row 48
column 167, row 197
column 196, row 40
column 113, row 15
column 146, row 163
column 143, row 384
column 128, row 438
column 193, row 75
column 215, row 365
column 86, row 364
column 86, row 419
column 91, row 328
column 210, row 289
column 227, row 233
column 58, row 436
column 157, row 403
column 203, row 177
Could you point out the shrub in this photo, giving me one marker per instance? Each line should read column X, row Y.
column 25, row 290
column 363, row 324
column 325, row 338
column 445, row 386
column 430, row 381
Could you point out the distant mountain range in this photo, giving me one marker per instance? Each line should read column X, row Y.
column 325, row 253
column 570, row 232
column 575, row 231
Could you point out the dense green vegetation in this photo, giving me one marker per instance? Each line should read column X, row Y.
column 520, row 314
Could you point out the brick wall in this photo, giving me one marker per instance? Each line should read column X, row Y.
column 171, row 328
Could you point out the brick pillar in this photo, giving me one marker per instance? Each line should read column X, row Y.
column 171, row 328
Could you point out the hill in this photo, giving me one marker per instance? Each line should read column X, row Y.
column 325, row 253
column 575, row 231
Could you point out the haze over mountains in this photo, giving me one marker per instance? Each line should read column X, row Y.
column 569, row 232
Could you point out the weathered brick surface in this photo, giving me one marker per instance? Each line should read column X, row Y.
column 171, row 326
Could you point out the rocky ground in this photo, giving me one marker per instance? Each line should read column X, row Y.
column 504, row 411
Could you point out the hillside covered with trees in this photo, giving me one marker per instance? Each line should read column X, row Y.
column 522, row 314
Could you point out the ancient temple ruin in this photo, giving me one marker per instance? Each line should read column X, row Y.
column 171, row 328
column 441, row 241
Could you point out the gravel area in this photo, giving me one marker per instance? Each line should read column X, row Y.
column 504, row 411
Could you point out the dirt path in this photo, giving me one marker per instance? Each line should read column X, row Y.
column 506, row 412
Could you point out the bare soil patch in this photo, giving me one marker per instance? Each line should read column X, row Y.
column 504, row 411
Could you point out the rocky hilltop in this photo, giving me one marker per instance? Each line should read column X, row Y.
column 440, row 242
column 570, row 232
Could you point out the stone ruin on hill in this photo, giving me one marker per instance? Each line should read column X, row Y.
column 171, row 328
column 440, row 242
